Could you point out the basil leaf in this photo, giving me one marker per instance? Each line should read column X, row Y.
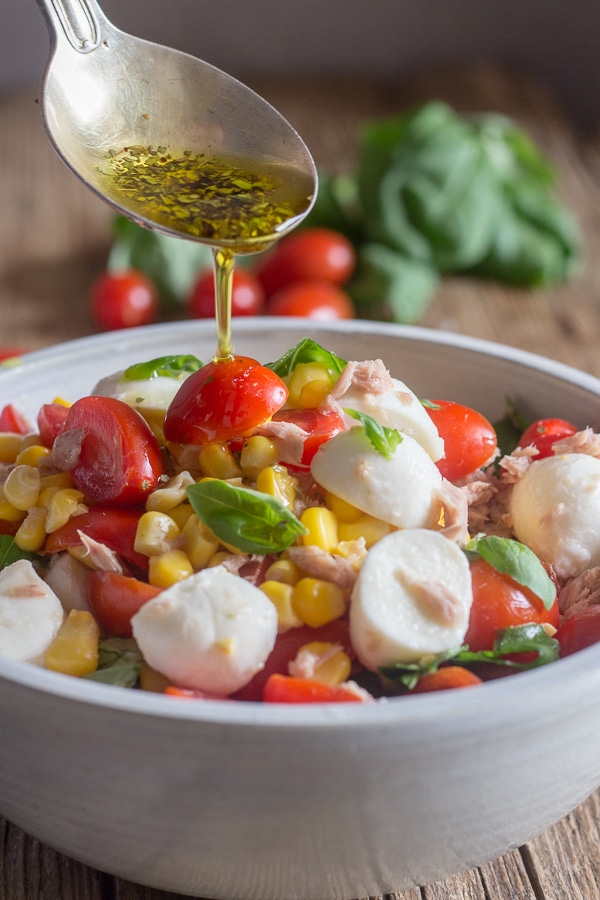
column 510, row 428
column 383, row 439
column 408, row 674
column 166, row 366
column 249, row 520
column 512, row 558
column 307, row 351
column 519, row 639
column 10, row 553
column 390, row 285
column 119, row 663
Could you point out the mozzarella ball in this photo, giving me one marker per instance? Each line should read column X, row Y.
column 30, row 613
column 143, row 393
column 555, row 508
column 402, row 490
column 212, row 631
column 412, row 598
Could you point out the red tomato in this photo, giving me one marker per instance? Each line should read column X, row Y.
column 113, row 526
column 192, row 693
column 469, row 439
column 499, row 602
column 290, row 689
column 446, row 678
column 320, row 425
column 543, row 433
column 580, row 631
column 10, row 352
column 11, row 420
column 314, row 253
column 223, row 399
column 123, row 300
column 312, row 300
column 119, row 461
column 51, row 421
column 115, row 598
column 247, row 295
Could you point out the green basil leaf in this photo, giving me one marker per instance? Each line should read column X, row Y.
column 391, row 286
column 307, row 351
column 529, row 638
column 510, row 428
column 383, row 439
column 10, row 553
column 512, row 558
column 249, row 520
column 408, row 674
column 166, row 366
column 119, row 663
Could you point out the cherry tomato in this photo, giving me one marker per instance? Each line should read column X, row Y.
column 192, row 693
column 314, row 253
column 51, row 420
column 115, row 598
column 247, row 295
column 499, row 602
column 291, row 689
column 223, row 399
column 13, row 421
column 543, row 433
column 580, row 631
column 123, row 300
column 446, row 678
column 320, row 426
column 10, row 353
column 312, row 300
column 469, row 439
column 119, row 461
column 113, row 526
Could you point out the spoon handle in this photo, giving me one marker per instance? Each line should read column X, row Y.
column 80, row 21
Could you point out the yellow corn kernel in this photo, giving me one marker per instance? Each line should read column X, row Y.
column 217, row 461
column 10, row 446
column 322, row 527
column 283, row 570
column 60, row 401
column 180, row 514
column 323, row 661
column 317, row 602
column 199, row 542
column 74, row 650
column 170, row 496
column 280, row 595
column 354, row 551
column 367, row 527
column 277, row 482
column 62, row 505
column 308, row 385
column 155, row 533
column 8, row 512
column 56, row 482
column 32, row 455
column 257, row 453
column 31, row 534
column 217, row 558
column 344, row 511
column 151, row 680
column 169, row 568
column 22, row 486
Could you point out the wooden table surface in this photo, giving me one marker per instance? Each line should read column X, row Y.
column 54, row 236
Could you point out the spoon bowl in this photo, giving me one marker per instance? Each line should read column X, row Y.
column 105, row 90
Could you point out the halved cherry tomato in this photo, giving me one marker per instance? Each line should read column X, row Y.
column 113, row 526
column 500, row 602
column 223, row 399
column 290, row 689
column 13, row 421
column 312, row 300
column 580, row 631
column 119, row 460
column 51, row 420
column 314, row 253
column 319, row 425
column 115, row 598
column 191, row 693
column 543, row 433
column 469, row 439
column 446, row 678
column 247, row 295
column 123, row 300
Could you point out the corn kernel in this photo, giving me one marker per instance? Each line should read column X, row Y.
column 280, row 595
column 354, row 551
column 180, row 514
column 344, row 511
column 10, row 446
column 283, row 570
column 217, row 559
column 308, row 385
column 367, row 527
column 199, row 542
column 317, row 602
column 56, row 482
column 8, row 512
column 32, row 456
column 60, row 401
column 31, row 535
column 257, row 453
column 170, row 496
column 277, row 482
column 62, row 505
column 169, row 568
column 74, row 650
column 155, row 533
column 151, row 680
column 217, row 461
column 323, row 661
column 322, row 528
column 22, row 486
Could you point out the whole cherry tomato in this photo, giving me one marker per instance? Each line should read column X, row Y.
column 313, row 253
column 543, row 433
column 223, row 399
column 115, row 598
column 312, row 300
column 123, row 300
column 247, row 295
column 10, row 353
column 580, row 631
column 469, row 439
column 113, row 526
column 118, row 459
column 500, row 602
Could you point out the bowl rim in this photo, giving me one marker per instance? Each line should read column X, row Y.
column 400, row 711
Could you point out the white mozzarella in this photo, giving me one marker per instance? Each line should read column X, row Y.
column 399, row 408
column 144, row 393
column 212, row 631
column 30, row 613
column 412, row 598
column 555, row 508
column 402, row 490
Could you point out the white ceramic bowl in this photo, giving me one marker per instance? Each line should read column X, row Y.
column 228, row 800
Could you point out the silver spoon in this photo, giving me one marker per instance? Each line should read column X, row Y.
column 105, row 90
